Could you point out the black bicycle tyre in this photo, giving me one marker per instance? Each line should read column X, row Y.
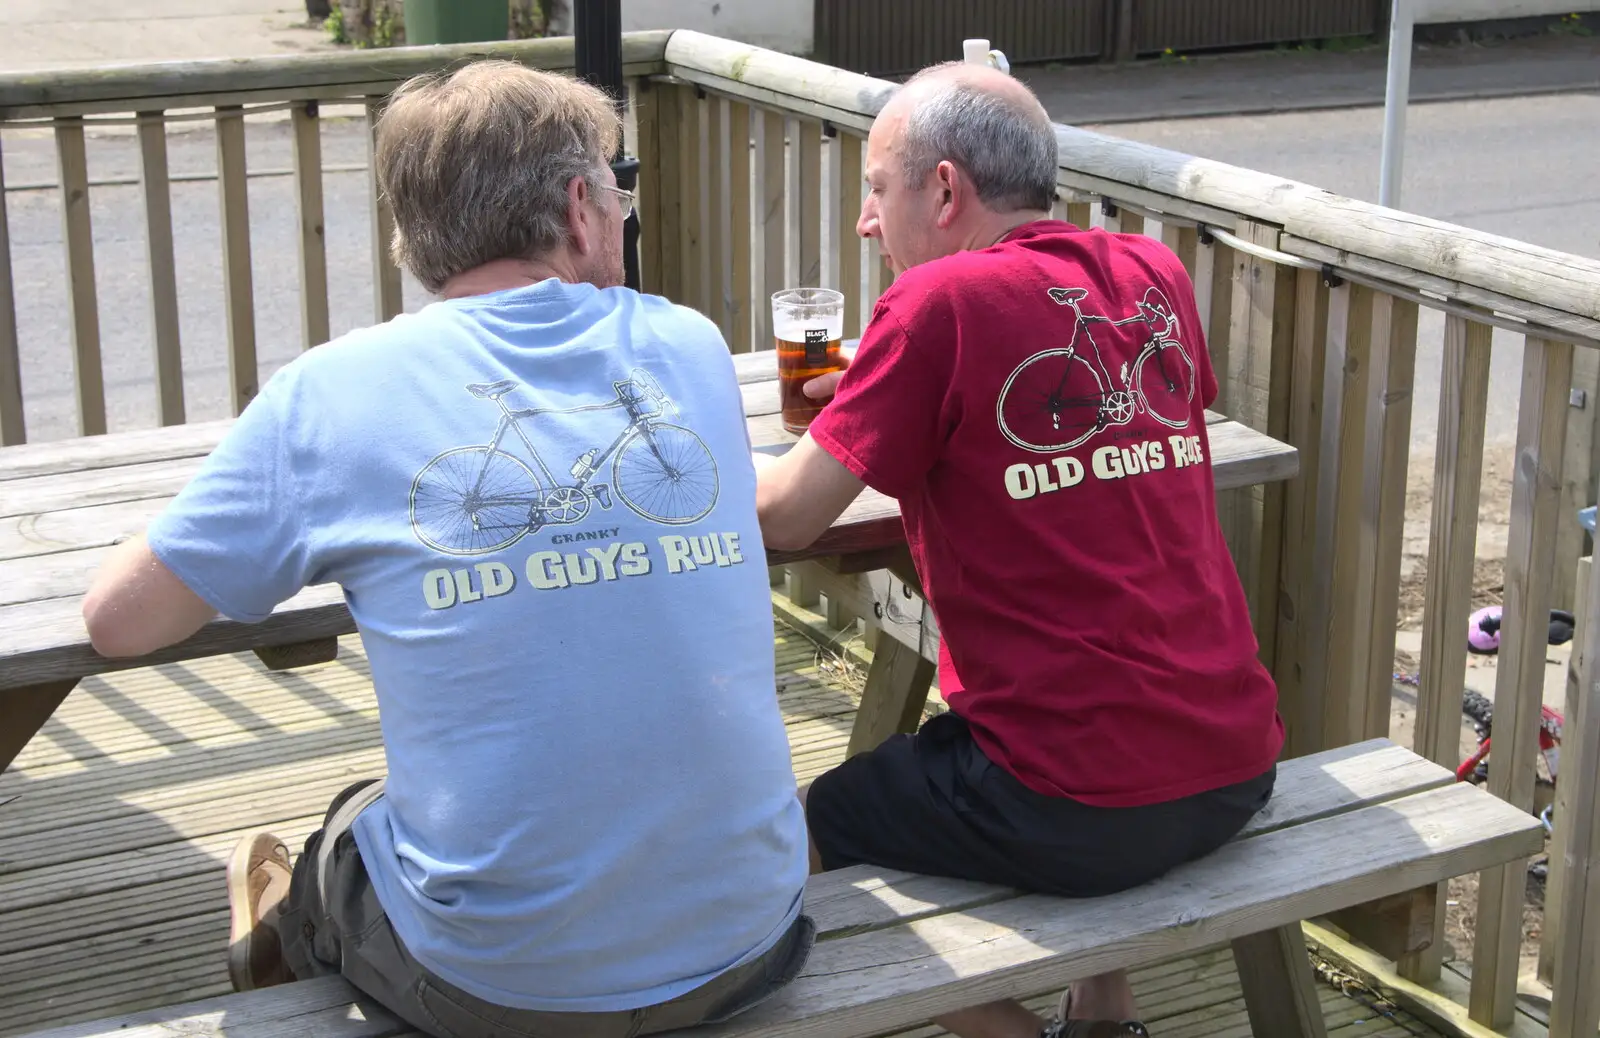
column 1478, row 709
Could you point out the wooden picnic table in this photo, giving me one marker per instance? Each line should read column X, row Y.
column 63, row 504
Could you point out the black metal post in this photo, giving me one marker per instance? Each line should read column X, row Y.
column 597, row 37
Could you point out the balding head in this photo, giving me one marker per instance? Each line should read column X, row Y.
column 985, row 122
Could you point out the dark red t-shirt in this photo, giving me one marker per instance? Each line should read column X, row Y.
column 1037, row 408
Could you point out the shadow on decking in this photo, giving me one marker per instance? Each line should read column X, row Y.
column 115, row 821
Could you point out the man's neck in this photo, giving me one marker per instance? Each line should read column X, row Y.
column 995, row 226
column 502, row 274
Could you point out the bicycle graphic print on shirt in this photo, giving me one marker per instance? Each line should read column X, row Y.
column 1060, row 397
column 479, row 499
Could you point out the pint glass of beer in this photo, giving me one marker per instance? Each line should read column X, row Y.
column 807, row 324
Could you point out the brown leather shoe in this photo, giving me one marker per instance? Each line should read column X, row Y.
column 1063, row 1027
column 258, row 882
column 1095, row 1029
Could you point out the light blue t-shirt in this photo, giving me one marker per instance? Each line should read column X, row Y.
column 541, row 506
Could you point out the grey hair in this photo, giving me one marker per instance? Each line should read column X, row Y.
column 1007, row 149
column 475, row 163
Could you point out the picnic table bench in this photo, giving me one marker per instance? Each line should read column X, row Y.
column 63, row 504
column 1343, row 827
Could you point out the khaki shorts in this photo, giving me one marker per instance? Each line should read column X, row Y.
column 333, row 924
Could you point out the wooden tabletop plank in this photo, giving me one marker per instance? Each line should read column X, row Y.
column 66, row 503
column 68, row 529
column 107, row 451
column 76, row 488
column 36, row 568
column 45, row 641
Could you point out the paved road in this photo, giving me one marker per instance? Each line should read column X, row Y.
column 42, row 34
column 1523, row 167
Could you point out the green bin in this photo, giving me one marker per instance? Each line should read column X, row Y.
column 457, row 21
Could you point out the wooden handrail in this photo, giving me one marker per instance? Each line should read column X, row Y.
column 1568, row 286
column 72, row 91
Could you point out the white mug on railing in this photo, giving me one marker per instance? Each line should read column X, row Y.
column 977, row 52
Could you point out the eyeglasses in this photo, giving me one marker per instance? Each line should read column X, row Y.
column 625, row 194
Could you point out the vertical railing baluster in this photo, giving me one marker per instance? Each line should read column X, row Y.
column 1574, row 945
column 1452, row 553
column 740, row 304
column 72, row 168
column 153, row 177
column 647, row 119
column 1335, row 643
column 662, row 237
column 691, row 181
column 1519, row 672
column 828, row 209
column 13, row 423
column 1258, row 349
column 808, row 212
column 1387, row 452
column 238, row 288
column 714, row 204
column 1302, row 717
column 307, row 131
column 848, row 148
column 771, row 199
column 387, row 288
column 1184, row 242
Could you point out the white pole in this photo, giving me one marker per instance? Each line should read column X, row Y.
column 1398, row 95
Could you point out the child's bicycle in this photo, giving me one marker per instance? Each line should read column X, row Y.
column 1483, row 639
column 1480, row 711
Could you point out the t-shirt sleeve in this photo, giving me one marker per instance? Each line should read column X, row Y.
column 235, row 535
column 886, row 422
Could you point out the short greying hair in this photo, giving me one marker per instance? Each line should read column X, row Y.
column 1007, row 150
column 475, row 164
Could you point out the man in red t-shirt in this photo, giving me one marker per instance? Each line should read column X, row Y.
column 1033, row 395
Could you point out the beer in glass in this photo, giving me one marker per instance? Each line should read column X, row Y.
column 807, row 326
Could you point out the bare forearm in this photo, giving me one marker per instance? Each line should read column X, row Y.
column 136, row 605
column 799, row 495
column 781, row 521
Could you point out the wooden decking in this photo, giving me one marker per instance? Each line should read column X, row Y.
column 115, row 821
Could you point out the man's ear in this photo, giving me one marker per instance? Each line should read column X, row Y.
column 580, row 216
column 953, row 192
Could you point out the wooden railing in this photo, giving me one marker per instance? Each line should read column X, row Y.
column 1311, row 303
column 751, row 181
column 229, row 94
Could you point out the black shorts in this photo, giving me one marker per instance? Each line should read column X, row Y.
column 935, row 804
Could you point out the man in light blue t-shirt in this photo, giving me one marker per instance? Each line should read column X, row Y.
column 538, row 497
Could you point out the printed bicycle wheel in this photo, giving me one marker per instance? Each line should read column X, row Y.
column 1052, row 402
column 473, row 500
column 666, row 474
column 1164, row 377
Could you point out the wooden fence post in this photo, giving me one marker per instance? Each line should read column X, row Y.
column 1332, row 646
column 1452, row 553
column 1257, row 375
column 1519, row 684
column 1302, row 718
column 1561, row 907
column 1575, row 1007
column 13, row 429
column 1580, row 480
